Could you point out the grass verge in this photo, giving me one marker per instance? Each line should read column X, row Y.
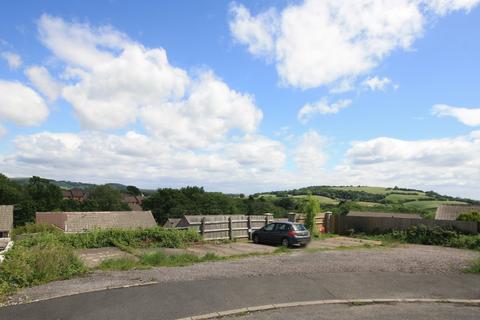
column 475, row 267
column 156, row 259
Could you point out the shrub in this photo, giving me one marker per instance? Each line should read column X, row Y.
column 150, row 237
column 310, row 208
column 45, row 261
column 469, row 216
column 35, row 228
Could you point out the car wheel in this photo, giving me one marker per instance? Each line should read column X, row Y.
column 285, row 242
column 256, row 239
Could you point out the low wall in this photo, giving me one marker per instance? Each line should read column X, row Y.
column 344, row 224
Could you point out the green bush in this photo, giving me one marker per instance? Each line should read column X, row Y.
column 35, row 228
column 26, row 265
column 151, row 237
column 469, row 216
column 421, row 234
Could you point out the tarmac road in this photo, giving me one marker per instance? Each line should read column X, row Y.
column 187, row 298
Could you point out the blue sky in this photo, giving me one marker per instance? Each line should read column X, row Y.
column 243, row 96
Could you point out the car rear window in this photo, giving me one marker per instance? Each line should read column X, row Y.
column 299, row 227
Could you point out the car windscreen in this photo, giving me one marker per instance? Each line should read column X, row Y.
column 299, row 227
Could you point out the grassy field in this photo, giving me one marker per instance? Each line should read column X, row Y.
column 321, row 199
column 398, row 198
column 376, row 190
column 426, row 205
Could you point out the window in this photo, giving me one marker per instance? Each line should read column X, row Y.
column 269, row 227
column 299, row 227
column 282, row 227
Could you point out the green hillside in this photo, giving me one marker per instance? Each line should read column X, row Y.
column 367, row 198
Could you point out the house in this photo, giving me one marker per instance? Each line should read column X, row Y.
column 75, row 194
column 171, row 223
column 134, row 202
column 452, row 211
column 86, row 221
column 6, row 221
column 384, row 215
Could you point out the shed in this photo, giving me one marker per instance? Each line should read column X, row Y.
column 171, row 223
column 452, row 211
column 384, row 214
column 86, row 221
column 6, row 221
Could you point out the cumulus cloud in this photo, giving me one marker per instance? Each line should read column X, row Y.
column 14, row 60
column 209, row 112
column 115, row 81
column 443, row 7
column 255, row 32
column 376, row 83
column 310, row 155
column 43, row 81
column 195, row 128
column 442, row 164
column 317, row 43
column 100, row 156
column 469, row 117
column 21, row 105
column 321, row 107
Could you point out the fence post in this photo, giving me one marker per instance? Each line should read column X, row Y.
column 267, row 218
column 249, row 227
column 202, row 226
column 230, row 228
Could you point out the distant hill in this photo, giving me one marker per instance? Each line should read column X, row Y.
column 373, row 198
column 80, row 185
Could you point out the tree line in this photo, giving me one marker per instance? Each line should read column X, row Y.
column 40, row 195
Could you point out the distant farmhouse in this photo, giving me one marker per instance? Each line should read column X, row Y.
column 452, row 211
column 80, row 195
column 384, row 215
column 6, row 221
column 87, row 221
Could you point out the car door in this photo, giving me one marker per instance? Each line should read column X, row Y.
column 266, row 233
column 279, row 232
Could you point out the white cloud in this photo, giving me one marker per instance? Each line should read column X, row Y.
column 43, row 81
column 321, row 107
column 310, row 155
column 255, row 32
column 21, row 105
column 376, row 83
column 318, row 43
column 14, row 60
column 99, row 156
column 79, row 44
column 210, row 111
column 115, row 82
column 443, row 7
column 469, row 117
column 440, row 164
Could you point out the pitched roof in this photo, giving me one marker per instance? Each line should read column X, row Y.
column 384, row 214
column 171, row 222
column 85, row 221
column 452, row 211
column 6, row 218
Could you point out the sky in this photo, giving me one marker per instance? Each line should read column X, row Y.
column 243, row 96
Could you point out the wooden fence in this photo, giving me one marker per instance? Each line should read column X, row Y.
column 346, row 224
column 225, row 227
column 320, row 220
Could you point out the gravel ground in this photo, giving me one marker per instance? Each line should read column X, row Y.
column 405, row 259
